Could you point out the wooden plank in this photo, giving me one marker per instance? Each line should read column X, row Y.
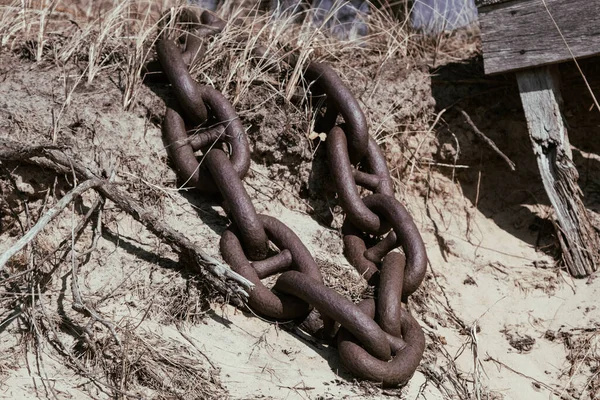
column 521, row 34
column 541, row 101
column 481, row 3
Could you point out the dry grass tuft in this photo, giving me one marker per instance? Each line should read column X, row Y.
column 167, row 368
column 345, row 281
column 583, row 369
column 118, row 357
column 110, row 36
column 144, row 365
column 118, row 37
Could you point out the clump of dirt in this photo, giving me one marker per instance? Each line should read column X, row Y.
column 521, row 342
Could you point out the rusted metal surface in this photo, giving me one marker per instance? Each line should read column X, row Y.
column 375, row 162
column 240, row 205
column 341, row 100
column 207, row 137
column 264, row 301
column 182, row 153
column 384, row 246
column 378, row 339
column 355, row 250
column 405, row 336
column 182, row 150
column 341, row 171
column 389, row 298
column 329, row 302
column 408, row 237
column 185, row 87
column 390, row 373
column 275, row 264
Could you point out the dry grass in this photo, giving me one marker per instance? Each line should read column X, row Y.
column 583, row 367
column 97, row 36
column 38, row 307
column 118, row 38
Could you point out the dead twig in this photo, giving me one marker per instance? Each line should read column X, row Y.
column 540, row 383
column 487, row 140
column 80, row 306
column 221, row 277
column 46, row 218
column 448, row 373
column 77, row 231
column 77, row 364
column 476, row 362
column 97, row 208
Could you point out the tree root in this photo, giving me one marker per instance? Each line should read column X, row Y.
column 218, row 275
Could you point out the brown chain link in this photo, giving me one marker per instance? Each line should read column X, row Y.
column 377, row 340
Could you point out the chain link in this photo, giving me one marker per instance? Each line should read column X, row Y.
column 377, row 339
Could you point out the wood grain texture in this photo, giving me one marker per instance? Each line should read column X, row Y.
column 521, row 34
column 541, row 102
column 482, row 3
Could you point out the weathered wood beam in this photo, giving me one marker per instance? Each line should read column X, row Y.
column 525, row 33
column 541, row 100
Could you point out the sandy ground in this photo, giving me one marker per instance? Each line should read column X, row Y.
column 501, row 320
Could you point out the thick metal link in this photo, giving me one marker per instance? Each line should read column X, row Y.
column 333, row 304
column 191, row 39
column 378, row 251
column 340, row 98
column 273, row 265
column 395, row 282
column 355, row 249
column 389, row 297
column 408, row 238
column 182, row 151
column 239, row 204
column 390, row 373
column 205, row 26
column 405, row 233
column 205, row 138
column 376, row 164
column 223, row 173
column 343, row 179
column 186, row 89
column 262, row 300
column 405, row 335
column 366, row 346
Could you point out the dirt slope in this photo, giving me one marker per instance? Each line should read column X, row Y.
column 501, row 320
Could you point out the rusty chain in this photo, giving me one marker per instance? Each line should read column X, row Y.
column 377, row 339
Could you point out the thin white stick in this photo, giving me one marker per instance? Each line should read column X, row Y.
column 46, row 218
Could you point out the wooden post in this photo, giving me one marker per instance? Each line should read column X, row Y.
column 540, row 95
